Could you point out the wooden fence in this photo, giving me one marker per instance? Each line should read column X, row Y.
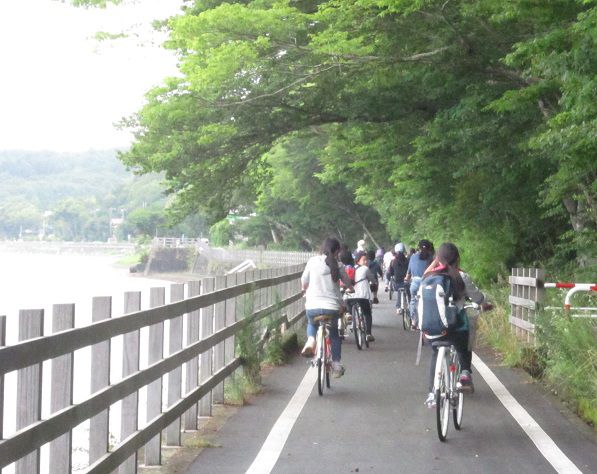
column 212, row 313
column 526, row 297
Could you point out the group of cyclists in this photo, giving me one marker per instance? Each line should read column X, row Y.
column 358, row 273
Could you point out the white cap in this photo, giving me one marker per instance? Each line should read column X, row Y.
column 400, row 247
column 361, row 243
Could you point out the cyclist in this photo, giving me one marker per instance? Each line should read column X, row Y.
column 375, row 268
column 362, row 291
column 446, row 263
column 397, row 271
column 387, row 260
column 320, row 284
column 417, row 265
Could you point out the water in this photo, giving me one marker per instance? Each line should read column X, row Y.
column 38, row 281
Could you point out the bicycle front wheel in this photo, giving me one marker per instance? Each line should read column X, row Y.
column 442, row 401
column 458, row 400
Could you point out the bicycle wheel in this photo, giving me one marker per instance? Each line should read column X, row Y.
column 320, row 375
column 391, row 290
column 358, row 335
column 458, row 398
column 442, row 402
column 328, row 362
column 363, row 328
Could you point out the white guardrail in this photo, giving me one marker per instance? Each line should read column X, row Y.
column 573, row 288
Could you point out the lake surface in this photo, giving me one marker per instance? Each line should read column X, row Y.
column 38, row 281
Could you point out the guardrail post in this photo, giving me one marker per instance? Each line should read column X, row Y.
column 31, row 325
column 206, row 358
column 192, row 366
column 130, row 364
column 175, row 377
column 153, row 449
column 61, row 392
column 101, row 308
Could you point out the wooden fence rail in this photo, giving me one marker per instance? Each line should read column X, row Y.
column 213, row 312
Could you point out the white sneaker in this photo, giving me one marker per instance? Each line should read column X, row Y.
column 309, row 349
column 430, row 401
column 337, row 369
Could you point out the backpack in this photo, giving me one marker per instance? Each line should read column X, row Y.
column 436, row 311
column 350, row 271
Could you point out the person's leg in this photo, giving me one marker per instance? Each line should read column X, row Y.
column 311, row 327
column 367, row 312
column 460, row 339
column 432, row 368
column 336, row 341
column 414, row 287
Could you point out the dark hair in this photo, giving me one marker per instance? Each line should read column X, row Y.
column 449, row 256
column 346, row 257
column 328, row 248
column 371, row 254
column 426, row 248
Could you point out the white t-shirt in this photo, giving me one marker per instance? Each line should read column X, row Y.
column 322, row 292
column 361, row 286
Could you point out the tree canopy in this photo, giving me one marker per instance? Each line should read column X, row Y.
column 473, row 121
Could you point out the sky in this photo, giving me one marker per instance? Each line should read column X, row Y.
column 63, row 90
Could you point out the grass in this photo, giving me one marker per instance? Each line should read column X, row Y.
column 564, row 356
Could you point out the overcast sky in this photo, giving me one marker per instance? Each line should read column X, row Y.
column 60, row 89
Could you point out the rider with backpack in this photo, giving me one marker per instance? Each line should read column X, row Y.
column 363, row 277
column 443, row 291
column 397, row 271
column 417, row 265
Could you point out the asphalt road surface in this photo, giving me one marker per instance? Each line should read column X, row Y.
column 373, row 419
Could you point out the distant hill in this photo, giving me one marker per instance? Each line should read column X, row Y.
column 43, row 178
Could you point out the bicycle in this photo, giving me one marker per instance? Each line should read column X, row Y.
column 446, row 385
column 403, row 310
column 359, row 326
column 323, row 351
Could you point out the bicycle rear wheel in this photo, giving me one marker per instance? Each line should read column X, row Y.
column 391, row 290
column 328, row 362
column 442, row 402
column 358, row 335
column 320, row 375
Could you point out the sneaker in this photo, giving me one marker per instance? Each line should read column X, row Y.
column 466, row 380
column 370, row 338
column 430, row 401
column 309, row 349
column 337, row 369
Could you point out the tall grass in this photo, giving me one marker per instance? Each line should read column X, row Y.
column 564, row 356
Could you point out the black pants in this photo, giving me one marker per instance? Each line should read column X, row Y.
column 365, row 307
column 460, row 341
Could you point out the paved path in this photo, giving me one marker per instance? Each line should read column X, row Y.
column 373, row 420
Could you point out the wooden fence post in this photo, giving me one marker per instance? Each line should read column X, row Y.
column 175, row 377
column 31, row 325
column 153, row 449
column 192, row 366
column 219, row 349
column 101, row 308
column 206, row 358
column 230, row 318
column 2, row 343
column 130, row 364
column 61, row 392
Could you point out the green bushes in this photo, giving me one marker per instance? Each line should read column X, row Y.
column 564, row 356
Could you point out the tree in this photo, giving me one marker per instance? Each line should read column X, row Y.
column 469, row 121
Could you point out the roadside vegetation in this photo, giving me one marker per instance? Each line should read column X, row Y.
column 564, row 356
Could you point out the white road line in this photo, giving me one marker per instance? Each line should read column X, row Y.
column 271, row 449
column 550, row 451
